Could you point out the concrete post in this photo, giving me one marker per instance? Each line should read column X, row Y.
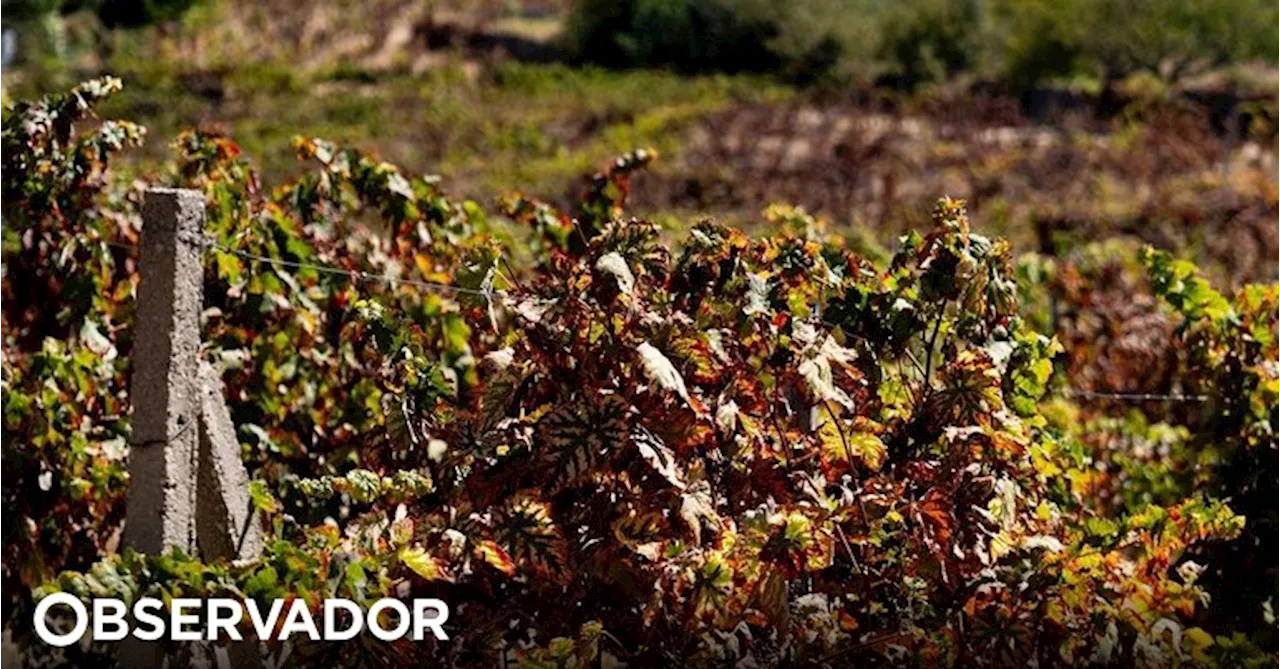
column 165, row 390
column 187, row 486
column 226, row 526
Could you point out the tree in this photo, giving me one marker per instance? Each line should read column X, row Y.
column 1034, row 40
column 802, row 40
column 133, row 13
column 43, row 22
column 28, row 10
column 931, row 40
column 1173, row 38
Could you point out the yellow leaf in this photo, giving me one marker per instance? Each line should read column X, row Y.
column 423, row 564
column 1199, row 640
column 494, row 554
column 839, row 440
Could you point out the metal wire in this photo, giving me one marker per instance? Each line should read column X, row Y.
column 207, row 242
column 1134, row 397
column 356, row 274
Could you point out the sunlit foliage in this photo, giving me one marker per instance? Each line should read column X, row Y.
column 730, row 449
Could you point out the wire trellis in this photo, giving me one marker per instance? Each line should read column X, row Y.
column 208, row 242
column 357, row 274
column 1134, row 397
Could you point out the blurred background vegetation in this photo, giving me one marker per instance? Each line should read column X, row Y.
column 1015, row 43
column 1059, row 120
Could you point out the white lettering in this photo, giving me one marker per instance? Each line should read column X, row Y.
column 219, row 619
column 402, row 624
column 261, row 627
column 179, row 617
column 114, row 618
column 331, row 631
column 299, row 620
column 42, row 626
column 143, row 613
column 228, row 623
column 436, row 622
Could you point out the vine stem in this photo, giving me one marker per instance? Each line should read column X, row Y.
column 844, row 441
column 928, row 355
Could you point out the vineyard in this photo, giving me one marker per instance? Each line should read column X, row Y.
column 604, row 440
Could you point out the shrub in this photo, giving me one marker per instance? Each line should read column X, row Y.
column 810, row 40
column 128, row 13
column 931, row 40
column 134, row 13
column 1035, row 41
column 65, row 391
column 804, row 40
column 1231, row 358
column 27, row 10
column 1020, row 42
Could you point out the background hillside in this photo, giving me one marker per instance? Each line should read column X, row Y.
column 1056, row 121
